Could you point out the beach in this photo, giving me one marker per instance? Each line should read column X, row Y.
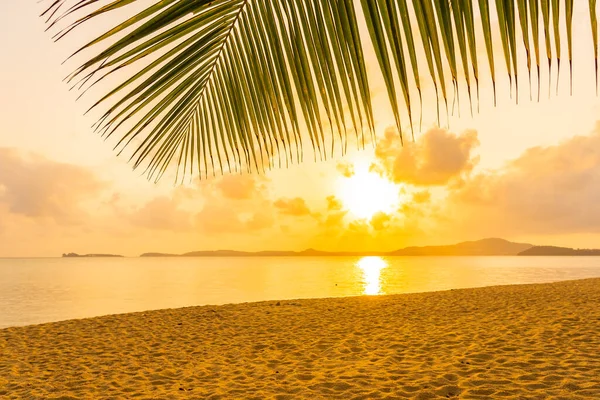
column 513, row 342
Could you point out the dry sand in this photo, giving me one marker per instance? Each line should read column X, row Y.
column 517, row 342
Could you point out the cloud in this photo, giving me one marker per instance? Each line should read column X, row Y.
column 262, row 219
column 162, row 213
column 333, row 203
column 217, row 218
column 36, row 187
column 380, row 221
column 334, row 220
column 421, row 197
column 293, row 207
column 238, row 187
column 220, row 218
column 346, row 169
column 546, row 190
column 434, row 160
column 330, row 221
column 235, row 204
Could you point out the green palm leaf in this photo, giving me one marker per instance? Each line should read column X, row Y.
column 209, row 86
column 594, row 21
column 229, row 82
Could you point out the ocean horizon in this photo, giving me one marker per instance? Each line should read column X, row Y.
column 41, row 290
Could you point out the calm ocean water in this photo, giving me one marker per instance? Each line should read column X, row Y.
column 34, row 291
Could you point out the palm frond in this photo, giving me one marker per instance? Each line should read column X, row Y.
column 227, row 82
column 219, row 85
column 443, row 24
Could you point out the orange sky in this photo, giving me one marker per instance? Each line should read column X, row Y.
column 529, row 172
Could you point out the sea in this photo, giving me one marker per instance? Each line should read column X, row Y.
column 41, row 290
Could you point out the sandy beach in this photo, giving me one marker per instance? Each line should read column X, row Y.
column 513, row 342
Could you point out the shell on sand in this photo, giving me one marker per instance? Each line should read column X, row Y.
column 513, row 342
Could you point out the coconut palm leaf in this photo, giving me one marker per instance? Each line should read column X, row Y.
column 594, row 21
column 220, row 84
column 210, row 86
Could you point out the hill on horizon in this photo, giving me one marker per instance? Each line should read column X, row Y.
column 483, row 247
column 559, row 251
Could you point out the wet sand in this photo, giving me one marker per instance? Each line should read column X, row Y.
column 511, row 342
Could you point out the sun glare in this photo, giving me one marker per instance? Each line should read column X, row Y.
column 366, row 193
column 371, row 268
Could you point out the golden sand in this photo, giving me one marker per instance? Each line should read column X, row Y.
column 515, row 342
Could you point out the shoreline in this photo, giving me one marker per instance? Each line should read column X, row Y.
column 269, row 301
column 508, row 341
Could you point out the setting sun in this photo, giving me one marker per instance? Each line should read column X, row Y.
column 366, row 193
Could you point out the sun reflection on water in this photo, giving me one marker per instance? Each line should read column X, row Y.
column 371, row 268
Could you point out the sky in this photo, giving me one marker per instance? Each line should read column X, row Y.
column 528, row 172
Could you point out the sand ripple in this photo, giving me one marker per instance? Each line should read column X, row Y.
column 511, row 342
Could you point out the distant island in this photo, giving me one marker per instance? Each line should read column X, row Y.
column 559, row 251
column 484, row 247
column 235, row 253
column 75, row 255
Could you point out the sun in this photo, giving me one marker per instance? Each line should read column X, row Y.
column 366, row 193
